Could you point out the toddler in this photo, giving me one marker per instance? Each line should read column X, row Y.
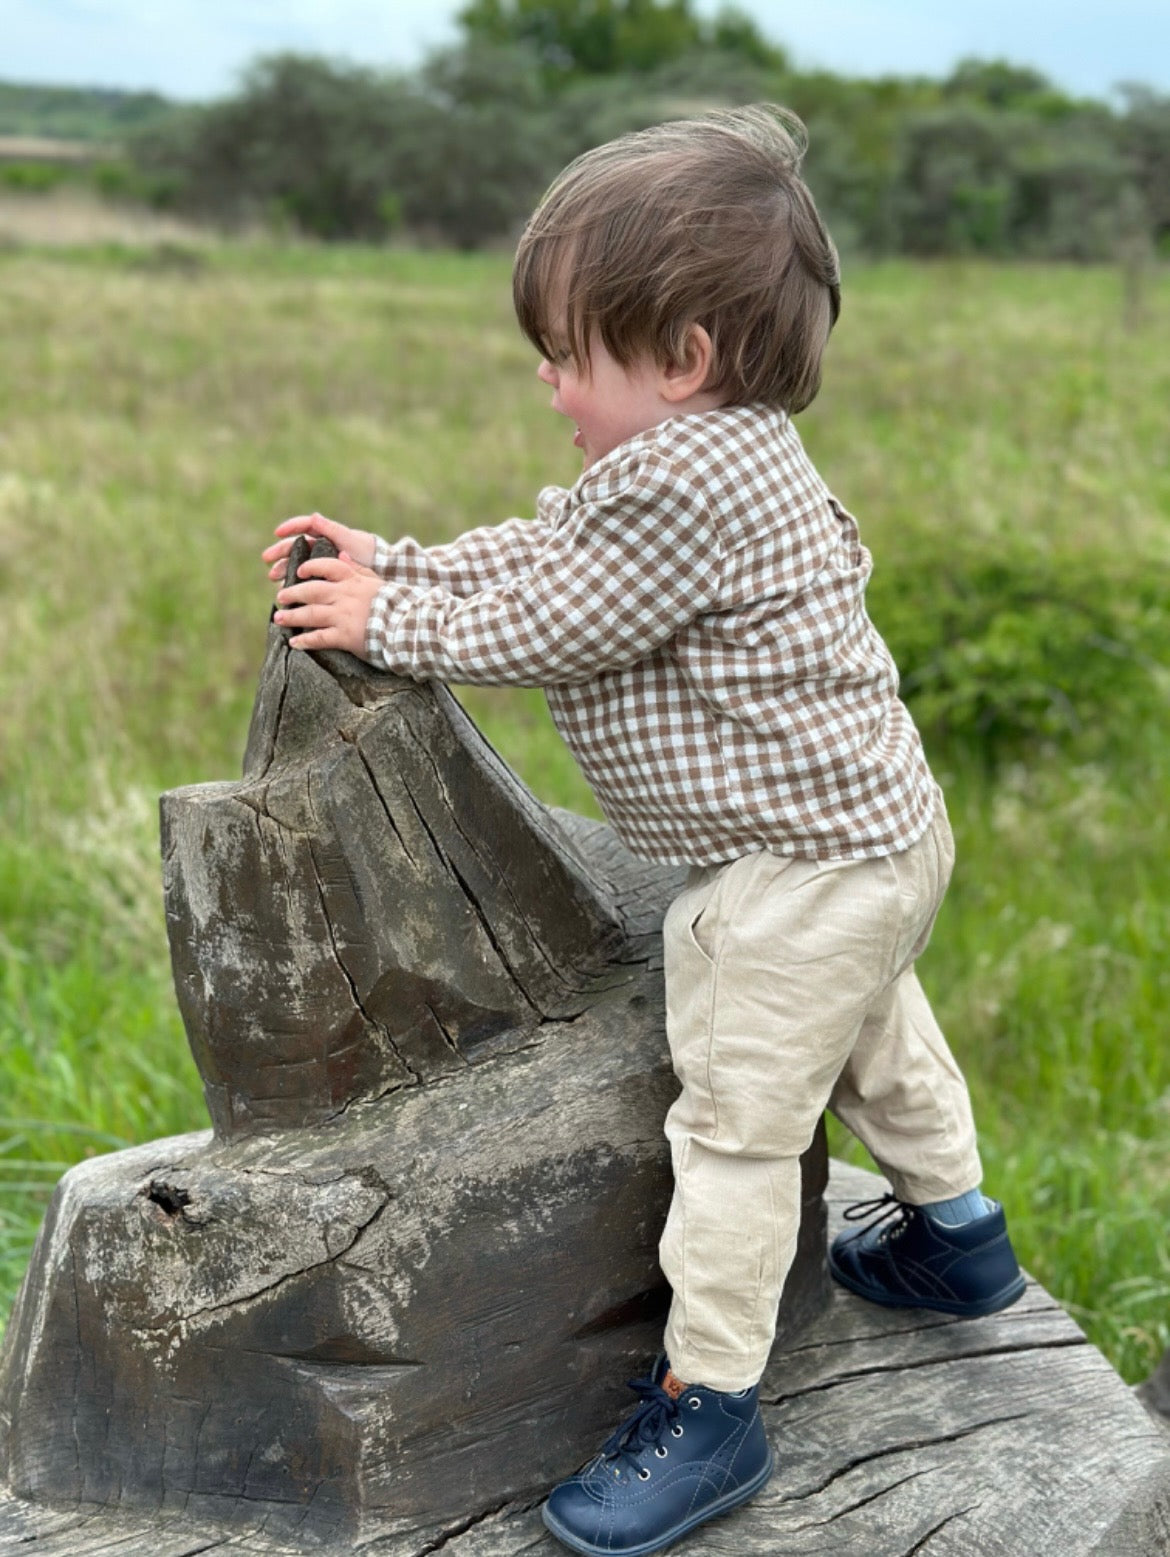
column 694, row 606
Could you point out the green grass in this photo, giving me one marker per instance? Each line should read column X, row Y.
column 160, row 412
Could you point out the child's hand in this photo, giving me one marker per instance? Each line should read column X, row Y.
column 358, row 543
column 330, row 609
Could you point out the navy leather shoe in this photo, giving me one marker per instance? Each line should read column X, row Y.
column 670, row 1466
column 905, row 1259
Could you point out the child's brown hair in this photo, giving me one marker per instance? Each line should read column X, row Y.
column 699, row 221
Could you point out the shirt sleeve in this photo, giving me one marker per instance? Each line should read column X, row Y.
column 626, row 570
column 477, row 560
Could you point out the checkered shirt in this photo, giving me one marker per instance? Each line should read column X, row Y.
column 694, row 607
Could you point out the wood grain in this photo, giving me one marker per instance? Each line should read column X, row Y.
column 403, row 1279
column 897, row 1434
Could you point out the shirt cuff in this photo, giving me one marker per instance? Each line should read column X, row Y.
column 382, row 563
column 392, row 638
column 378, row 621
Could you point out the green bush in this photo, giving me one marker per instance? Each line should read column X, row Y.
column 475, row 146
column 1144, row 135
column 34, row 178
column 460, row 152
column 1004, row 647
column 304, row 138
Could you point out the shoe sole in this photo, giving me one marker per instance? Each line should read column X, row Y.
column 722, row 1505
column 1004, row 1298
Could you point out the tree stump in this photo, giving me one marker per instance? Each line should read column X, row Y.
column 402, row 1280
column 897, row 1433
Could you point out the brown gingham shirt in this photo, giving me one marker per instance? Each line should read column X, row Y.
column 694, row 607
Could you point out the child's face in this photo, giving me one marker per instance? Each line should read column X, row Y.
column 609, row 402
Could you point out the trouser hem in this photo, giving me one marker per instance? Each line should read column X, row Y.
column 920, row 1190
column 714, row 1372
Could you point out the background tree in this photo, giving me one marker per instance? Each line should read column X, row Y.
column 480, row 145
column 998, row 84
column 971, row 179
column 305, row 141
column 1144, row 137
column 574, row 38
column 992, row 160
column 460, row 151
column 953, row 190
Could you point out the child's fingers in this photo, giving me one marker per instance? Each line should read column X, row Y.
column 298, row 524
column 331, row 568
column 312, row 592
column 297, row 618
column 324, row 638
column 313, row 524
column 358, row 569
column 318, row 567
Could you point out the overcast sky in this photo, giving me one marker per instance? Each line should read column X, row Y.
column 195, row 48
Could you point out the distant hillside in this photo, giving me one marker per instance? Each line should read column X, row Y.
column 102, row 114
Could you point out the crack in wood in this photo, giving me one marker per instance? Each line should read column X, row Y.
column 347, row 1353
column 476, row 1059
column 448, row 1038
column 242, row 1303
column 492, row 867
column 495, row 871
column 830, row 1343
column 509, row 1509
column 1040, row 1312
column 960, row 1513
column 257, row 803
column 903, row 1448
column 274, row 726
column 908, row 1365
column 448, row 866
column 842, row 1513
column 76, row 1385
column 356, row 743
column 372, row 1022
column 450, row 1533
column 489, row 931
column 375, row 1097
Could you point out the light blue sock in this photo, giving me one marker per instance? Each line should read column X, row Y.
column 963, row 1208
column 945, row 1213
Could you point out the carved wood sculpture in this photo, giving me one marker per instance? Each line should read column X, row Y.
column 404, row 1278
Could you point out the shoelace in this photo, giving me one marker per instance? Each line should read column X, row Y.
column 888, row 1208
column 648, row 1424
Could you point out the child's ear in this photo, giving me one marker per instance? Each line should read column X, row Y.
column 681, row 380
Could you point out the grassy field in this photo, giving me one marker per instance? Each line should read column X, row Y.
column 161, row 408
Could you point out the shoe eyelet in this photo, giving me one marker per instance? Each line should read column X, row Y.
column 677, row 1430
column 662, row 1451
column 643, row 1474
column 694, row 1402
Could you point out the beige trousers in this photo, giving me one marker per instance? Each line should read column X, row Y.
column 790, row 987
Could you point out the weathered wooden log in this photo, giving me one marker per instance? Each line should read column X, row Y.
column 404, row 1278
column 897, row 1433
column 373, row 905
column 1154, row 1392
